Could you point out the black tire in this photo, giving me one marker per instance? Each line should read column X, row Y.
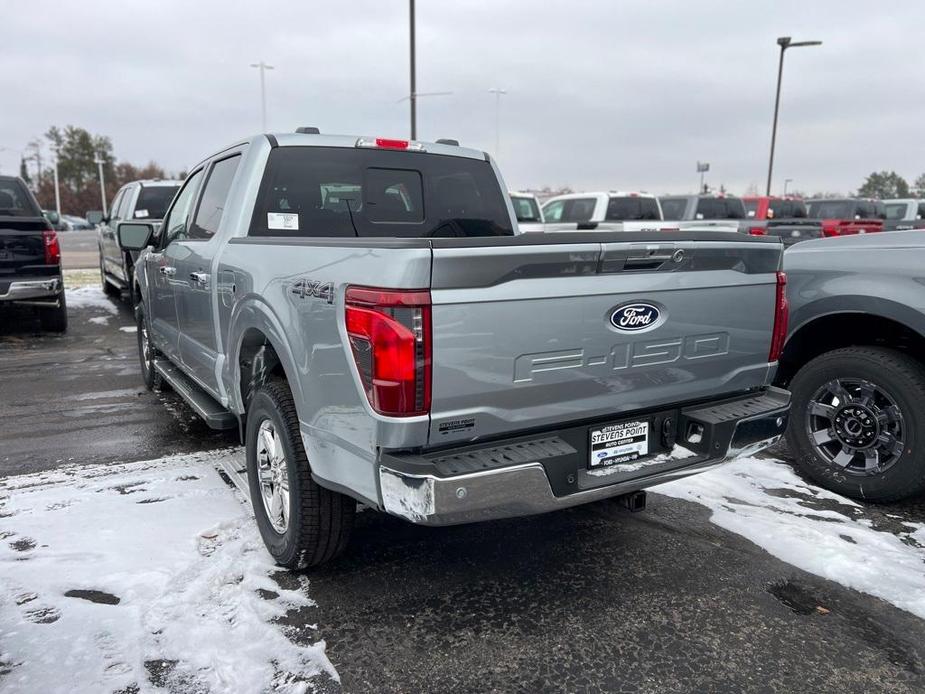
column 319, row 520
column 152, row 378
column 902, row 379
column 108, row 289
column 54, row 319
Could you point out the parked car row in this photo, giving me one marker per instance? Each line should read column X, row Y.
column 791, row 219
column 852, row 355
column 66, row 222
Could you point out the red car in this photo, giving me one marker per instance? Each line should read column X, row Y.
column 844, row 216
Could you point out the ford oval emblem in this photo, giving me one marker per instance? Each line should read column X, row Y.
column 634, row 317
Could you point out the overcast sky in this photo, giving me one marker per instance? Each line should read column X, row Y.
column 626, row 95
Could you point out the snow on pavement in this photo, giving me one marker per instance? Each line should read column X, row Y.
column 813, row 529
column 90, row 297
column 114, row 575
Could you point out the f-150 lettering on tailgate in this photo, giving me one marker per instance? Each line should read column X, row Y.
column 628, row 355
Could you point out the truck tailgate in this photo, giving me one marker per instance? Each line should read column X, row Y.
column 22, row 249
column 540, row 334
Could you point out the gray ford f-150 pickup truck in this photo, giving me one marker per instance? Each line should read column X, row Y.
column 855, row 361
column 363, row 311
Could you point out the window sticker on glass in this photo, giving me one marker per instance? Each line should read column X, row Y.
column 141, row 214
column 283, row 220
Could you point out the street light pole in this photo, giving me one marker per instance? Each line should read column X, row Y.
column 263, row 67
column 57, row 189
column 497, row 91
column 784, row 42
column 413, row 93
column 99, row 163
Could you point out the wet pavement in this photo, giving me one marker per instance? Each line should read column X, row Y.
column 588, row 599
column 79, row 397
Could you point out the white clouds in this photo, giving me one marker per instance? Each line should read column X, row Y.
column 600, row 94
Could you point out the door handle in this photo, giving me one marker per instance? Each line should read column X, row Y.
column 199, row 277
column 168, row 271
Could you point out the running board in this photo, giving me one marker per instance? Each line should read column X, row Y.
column 203, row 404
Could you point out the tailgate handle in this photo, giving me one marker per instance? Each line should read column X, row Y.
column 646, row 262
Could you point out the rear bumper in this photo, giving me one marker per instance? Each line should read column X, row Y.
column 22, row 290
column 547, row 471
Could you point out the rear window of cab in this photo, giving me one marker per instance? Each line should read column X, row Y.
column 342, row 192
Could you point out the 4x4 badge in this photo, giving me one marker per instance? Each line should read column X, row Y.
column 312, row 289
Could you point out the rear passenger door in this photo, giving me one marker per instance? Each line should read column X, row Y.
column 195, row 279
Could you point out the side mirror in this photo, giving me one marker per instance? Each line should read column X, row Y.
column 53, row 217
column 94, row 217
column 135, row 236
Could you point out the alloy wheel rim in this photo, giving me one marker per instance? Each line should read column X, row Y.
column 856, row 426
column 273, row 476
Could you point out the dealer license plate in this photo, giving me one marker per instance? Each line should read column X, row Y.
column 625, row 442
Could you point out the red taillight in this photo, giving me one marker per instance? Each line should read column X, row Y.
column 781, row 318
column 391, row 144
column 757, row 231
column 52, row 249
column 390, row 337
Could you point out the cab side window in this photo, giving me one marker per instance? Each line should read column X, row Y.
column 579, row 210
column 127, row 195
column 115, row 205
column 176, row 223
column 553, row 211
column 214, row 198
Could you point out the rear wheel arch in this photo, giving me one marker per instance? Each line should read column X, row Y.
column 257, row 360
column 845, row 329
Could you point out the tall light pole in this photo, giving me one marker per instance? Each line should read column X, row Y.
column 412, row 94
column 498, row 92
column 263, row 67
column 99, row 163
column 57, row 188
column 784, row 42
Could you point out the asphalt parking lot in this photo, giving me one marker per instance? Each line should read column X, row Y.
column 589, row 599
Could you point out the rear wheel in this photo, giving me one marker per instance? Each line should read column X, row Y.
column 302, row 523
column 857, row 423
column 146, row 351
column 54, row 318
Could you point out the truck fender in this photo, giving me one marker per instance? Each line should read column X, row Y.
column 844, row 304
column 251, row 319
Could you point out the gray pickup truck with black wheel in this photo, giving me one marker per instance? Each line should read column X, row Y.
column 147, row 201
column 364, row 312
column 855, row 362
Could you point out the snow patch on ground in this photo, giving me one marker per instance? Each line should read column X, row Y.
column 144, row 575
column 90, row 297
column 128, row 329
column 100, row 320
column 818, row 531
